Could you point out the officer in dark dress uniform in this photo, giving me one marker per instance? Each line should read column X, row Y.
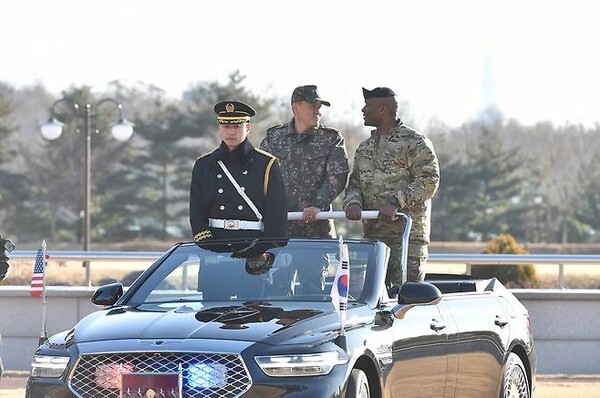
column 257, row 206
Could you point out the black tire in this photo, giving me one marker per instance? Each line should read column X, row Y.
column 358, row 385
column 514, row 378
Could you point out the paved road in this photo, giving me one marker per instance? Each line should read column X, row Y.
column 548, row 387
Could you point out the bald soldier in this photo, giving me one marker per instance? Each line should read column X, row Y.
column 395, row 169
column 237, row 190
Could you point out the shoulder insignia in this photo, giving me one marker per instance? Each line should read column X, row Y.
column 205, row 234
column 266, row 177
column 204, row 155
column 263, row 152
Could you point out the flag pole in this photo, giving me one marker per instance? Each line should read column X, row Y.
column 341, row 340
column 341, row 249
column 44, row 334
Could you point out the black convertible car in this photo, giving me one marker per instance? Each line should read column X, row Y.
column 214, row 320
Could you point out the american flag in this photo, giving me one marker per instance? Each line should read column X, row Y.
column 339, row 290
column 37, row 280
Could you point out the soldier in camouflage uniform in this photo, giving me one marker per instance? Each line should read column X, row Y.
column 313, row 161
column 395, row 169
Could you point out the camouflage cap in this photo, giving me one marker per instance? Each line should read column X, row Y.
column 308, row 94
column 378, row 92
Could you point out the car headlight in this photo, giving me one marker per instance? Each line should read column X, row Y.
column 48, row 366
column 300, row 364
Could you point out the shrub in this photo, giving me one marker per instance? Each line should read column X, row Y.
column 519, row 275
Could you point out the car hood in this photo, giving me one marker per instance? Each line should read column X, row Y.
column 271, row 323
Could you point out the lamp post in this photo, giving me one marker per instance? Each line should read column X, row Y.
column 538, row 200
column 121, row 130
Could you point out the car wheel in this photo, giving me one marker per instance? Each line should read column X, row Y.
column 358, row 385
column 514, row 379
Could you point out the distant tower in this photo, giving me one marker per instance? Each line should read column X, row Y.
column 488, row 107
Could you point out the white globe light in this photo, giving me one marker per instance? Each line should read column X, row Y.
column 122, row 130
column 52, row 129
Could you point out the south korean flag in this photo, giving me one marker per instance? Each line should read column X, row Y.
column 339, row 290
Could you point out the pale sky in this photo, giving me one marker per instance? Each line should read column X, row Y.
column 544, row 54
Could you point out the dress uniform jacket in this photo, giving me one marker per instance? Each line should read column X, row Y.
column 213, row 195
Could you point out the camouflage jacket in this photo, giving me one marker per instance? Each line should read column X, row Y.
column 314, row 165
column 401, row 163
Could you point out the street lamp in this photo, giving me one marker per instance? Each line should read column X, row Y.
column 121, row 130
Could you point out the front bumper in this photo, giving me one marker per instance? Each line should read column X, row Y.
column 262, row 386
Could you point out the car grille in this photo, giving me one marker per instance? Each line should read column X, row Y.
column 203, row 375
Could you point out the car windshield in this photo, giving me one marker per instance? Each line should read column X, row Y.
column 293, row 270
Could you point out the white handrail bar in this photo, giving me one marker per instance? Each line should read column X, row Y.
column 366, row 215
column 334, row 215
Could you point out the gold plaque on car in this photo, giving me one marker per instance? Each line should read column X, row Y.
column 151, row 385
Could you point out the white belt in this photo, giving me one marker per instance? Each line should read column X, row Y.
column 235, row 224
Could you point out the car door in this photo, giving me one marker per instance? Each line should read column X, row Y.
column 477, row 351
column 419, row 354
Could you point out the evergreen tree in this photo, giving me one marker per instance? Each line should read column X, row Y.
column 495, row 169
column 586, row 224
column 453, row 204
column 160, row 169
column 473, row 201
column 13, row 184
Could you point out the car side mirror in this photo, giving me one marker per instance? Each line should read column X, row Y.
column 413, row 294
column 107, row 294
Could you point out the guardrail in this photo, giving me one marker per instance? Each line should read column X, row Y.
column 468, row 260
column 507, row 259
